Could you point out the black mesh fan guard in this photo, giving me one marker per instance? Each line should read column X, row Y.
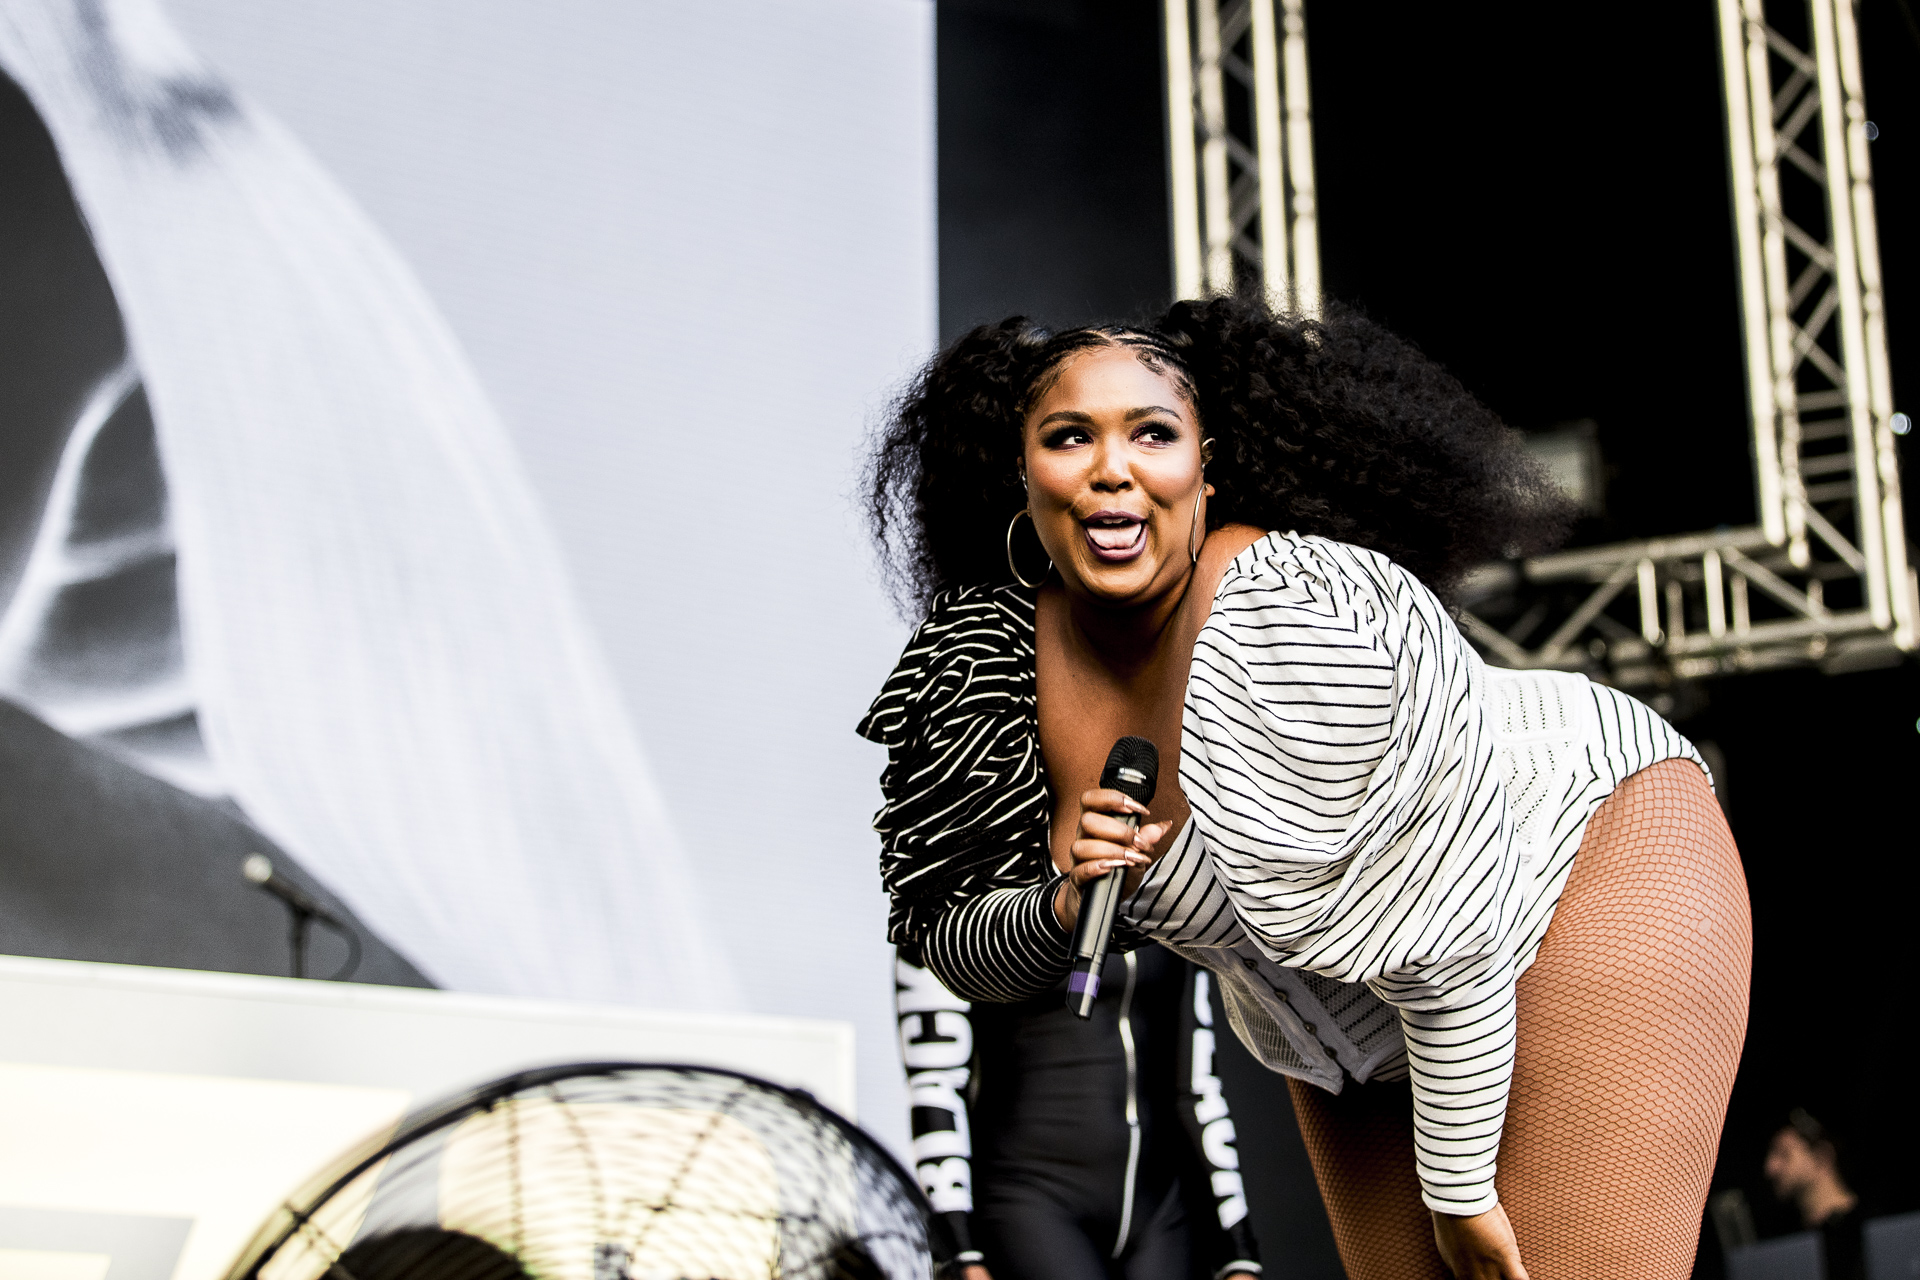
column 607, row 1171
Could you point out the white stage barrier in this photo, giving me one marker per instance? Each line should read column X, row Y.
column 151, row 1118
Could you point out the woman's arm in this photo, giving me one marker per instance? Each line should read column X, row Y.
column 1222, row 1231
column 1460, row 1060
column 1002, row 946
column 936, row 1046
column 1479, row 1248
column 964, row 828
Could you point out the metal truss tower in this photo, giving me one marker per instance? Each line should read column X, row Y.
column 1240, row 151
column 1824, row 576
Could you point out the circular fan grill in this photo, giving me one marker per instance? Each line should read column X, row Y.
column 612, row 1171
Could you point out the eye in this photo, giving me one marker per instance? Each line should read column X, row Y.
column 1065, row 437
column 1156, row 432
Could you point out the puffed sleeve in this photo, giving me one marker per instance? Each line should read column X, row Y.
column 1342, row 777
column 964, row 857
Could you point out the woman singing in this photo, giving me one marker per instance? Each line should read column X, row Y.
column 1481, row 919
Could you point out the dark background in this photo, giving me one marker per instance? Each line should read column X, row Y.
column 1538, row 196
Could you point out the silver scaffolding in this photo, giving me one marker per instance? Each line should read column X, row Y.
column 1240, row 151
column 1826, row 474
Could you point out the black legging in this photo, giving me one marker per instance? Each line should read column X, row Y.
column 1029, row 1233
column 1052, row 1142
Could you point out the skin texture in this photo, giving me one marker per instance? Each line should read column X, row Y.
column 1807, row 1175
column 1479, row 1248
column 1115, row 637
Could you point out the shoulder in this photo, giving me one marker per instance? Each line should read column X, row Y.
column 974, row 640
column 1290, row 578
column 1280, row 559
column 1286, row 579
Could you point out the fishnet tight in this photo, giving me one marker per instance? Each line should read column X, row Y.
column 1630, row 1025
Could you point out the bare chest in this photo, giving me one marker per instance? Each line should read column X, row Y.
column 1085, row 703
column 1085, row 707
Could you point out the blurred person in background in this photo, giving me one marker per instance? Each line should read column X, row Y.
column 1057, row 1148
column 1803, row 1165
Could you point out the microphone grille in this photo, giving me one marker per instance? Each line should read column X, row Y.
column 1133, row 768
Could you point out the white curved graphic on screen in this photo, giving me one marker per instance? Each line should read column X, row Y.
column 391, row 675
column 90, row 640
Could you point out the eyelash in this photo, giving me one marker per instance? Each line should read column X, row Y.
column 1060, row 436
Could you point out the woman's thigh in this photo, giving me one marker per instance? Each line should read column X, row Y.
column 1630, row 1027
column 1028, row 1235
column 1361, row 1146
column 1629, row 1032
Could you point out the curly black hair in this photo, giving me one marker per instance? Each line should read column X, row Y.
column 1330, row 426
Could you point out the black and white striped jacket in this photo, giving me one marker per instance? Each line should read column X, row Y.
column 1381, row 826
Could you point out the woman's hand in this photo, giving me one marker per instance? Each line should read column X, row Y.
column 974, row 1271
column 1106, row 841
column 1479, row 1248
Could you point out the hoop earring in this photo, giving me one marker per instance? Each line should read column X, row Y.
column 1017, row 576
column 1206, row 456
column 1192, row 550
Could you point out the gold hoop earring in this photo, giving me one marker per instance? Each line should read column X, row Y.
column 1017, row 576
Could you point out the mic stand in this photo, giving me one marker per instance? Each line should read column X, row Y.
column 302, row 912
column 302, row 925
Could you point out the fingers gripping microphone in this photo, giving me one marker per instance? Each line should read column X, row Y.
column 1133, row 769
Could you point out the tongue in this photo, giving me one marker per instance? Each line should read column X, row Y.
column 1117, row 537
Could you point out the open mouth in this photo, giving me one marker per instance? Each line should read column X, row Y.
column 1115, row 536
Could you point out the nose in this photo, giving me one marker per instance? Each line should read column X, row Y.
column 1111, row 472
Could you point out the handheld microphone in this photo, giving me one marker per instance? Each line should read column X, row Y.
column 1133, row 769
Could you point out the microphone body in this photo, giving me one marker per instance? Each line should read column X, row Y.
column 1133, row 769
column 258, row 869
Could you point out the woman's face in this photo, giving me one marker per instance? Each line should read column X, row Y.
column 1113, row 469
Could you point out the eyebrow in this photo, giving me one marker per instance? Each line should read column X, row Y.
column 1076, row 416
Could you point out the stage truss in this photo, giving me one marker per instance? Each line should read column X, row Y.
column 1240, row 151
column 1824, row 576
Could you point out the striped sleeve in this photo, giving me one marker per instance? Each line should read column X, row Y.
column 964, row 856
column 1003, row 946
column 1460, row 1061
column 1340, row 774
